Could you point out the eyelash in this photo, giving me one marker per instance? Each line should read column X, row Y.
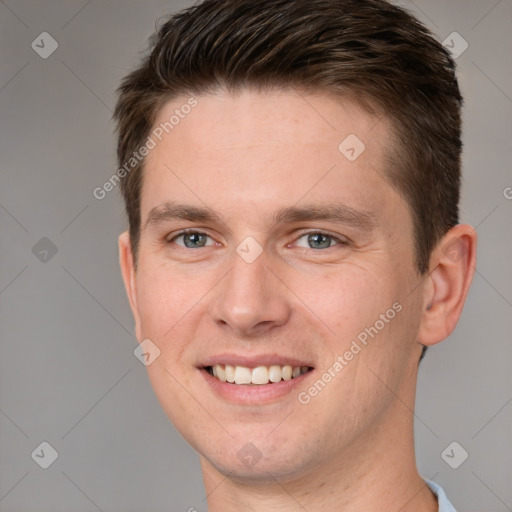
column 339, row 241
column 324, row 233
column 187, row 232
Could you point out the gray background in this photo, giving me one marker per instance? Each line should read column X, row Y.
column 68, row 375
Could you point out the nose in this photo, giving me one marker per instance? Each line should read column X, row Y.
column 251, row 301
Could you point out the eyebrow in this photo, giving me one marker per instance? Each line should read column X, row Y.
column 173, row 211
column 332, row 212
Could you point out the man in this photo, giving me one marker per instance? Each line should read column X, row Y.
column 291, row 175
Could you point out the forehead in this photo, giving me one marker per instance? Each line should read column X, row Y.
column 267, row 149
column 248, row 117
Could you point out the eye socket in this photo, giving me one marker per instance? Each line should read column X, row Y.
column 191, row 239
column 319, row 240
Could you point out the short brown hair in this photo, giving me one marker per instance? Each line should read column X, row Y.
column 369, row 50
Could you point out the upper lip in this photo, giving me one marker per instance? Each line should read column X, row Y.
column 254, row 361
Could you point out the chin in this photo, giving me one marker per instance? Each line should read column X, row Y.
column 253, row 463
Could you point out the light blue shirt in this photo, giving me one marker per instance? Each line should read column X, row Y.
column 444, row 504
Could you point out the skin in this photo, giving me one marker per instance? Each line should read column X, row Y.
column 245, row 156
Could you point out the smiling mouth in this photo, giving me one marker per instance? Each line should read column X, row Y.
column 260, row 375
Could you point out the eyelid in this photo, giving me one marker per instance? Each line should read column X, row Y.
column 173, row 236
column 341, row 240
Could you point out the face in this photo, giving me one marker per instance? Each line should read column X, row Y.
column 271, row 252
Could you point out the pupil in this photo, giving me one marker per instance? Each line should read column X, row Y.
column 319, row 240
column 193, row 240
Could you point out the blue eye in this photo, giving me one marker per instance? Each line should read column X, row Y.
column 319, row 240
column 314, row 240
column 192, row 239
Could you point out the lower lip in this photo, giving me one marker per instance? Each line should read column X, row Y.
column 256, row 393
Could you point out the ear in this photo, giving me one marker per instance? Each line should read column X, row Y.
column 452, row 265
column 128, row 273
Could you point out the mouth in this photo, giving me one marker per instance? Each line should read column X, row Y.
column 263, row 379
column 256, row 376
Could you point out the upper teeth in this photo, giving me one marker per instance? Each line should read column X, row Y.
column 258, row 375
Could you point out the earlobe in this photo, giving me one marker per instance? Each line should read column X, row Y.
column 446, row 288
column 128, row 274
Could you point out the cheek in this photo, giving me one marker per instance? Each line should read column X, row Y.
column 164, row 297
column 346, row 300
